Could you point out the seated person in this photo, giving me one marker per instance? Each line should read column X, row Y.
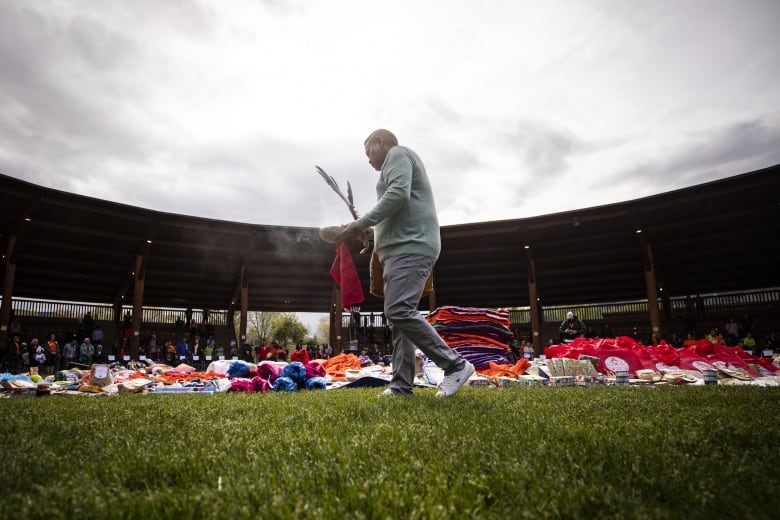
column 571, row 327
column 364, row 359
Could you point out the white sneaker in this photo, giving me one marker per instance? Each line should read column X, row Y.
column 454, row 381
column 389, row 392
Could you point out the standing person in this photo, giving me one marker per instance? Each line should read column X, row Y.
column 86, row 351
column 97, row 335
column 55, row 354
column 26, row 356
column 37, row 356
column 208, row 352
column 183, row 350
column 246, row 353
column 169, row 352
column 732, row 332
column 528, row 350
column 407, row 243
column 513, row 348
column 87, row 325
column 151, row 348
column 17, row 349
column 99, row 356
column 69, row 352
column 14, row 326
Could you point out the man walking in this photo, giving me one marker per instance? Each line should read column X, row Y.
column 407, row 242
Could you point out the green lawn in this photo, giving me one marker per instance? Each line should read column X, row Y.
column 668, row 452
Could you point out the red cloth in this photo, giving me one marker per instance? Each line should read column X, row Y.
column 625, row 353
column 300, row 355
column 344, row 273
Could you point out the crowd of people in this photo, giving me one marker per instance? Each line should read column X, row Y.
column 195, row 344
column 84, row 345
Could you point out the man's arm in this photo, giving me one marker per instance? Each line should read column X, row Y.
column 397, row 175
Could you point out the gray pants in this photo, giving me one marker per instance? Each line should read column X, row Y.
column 404, row 279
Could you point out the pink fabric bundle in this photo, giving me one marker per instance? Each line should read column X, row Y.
column 261, row 385
column 314, row 369
column 269, row 370
column 242, row 385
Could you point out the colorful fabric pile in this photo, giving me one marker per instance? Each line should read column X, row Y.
column 626, row 354
column 337, row 366
column 220, row 376
column 479, row 335
column 278, row 376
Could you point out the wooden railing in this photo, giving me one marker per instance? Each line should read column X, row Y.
column 519, row 317
column 605, row 311
column 43, row 309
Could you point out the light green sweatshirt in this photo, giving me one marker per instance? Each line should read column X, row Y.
column 404, row 217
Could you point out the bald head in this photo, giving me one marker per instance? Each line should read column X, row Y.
column 383, row 135
column 377, row 145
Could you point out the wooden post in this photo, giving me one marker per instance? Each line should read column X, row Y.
column 8, row 290
column 244, row 311
column 535, row 306
column 432, row 299
column 138, row 307
column 650, row 283
column 335, row 320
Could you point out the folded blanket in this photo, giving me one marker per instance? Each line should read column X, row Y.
column 316, row 383
column 269, row 370
column 315, row 369
column 285, row 384
column 295, row 371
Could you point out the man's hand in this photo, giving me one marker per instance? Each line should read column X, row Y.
column 368, row 235
column 348, row 233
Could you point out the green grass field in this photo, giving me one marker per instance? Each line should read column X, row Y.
column 668, row 452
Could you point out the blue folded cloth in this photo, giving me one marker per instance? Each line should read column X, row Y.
column 285, row 384
column 238, row 369
column 316, row 383
column 297, row 372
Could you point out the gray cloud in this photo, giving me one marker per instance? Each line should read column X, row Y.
column 542, row 148
column 706, row 156
column 543, row 152
column 54, row 100
column 95, row 100
column 439, row 130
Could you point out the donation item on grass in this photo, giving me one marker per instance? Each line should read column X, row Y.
column 100, row 375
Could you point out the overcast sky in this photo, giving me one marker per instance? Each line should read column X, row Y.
column 221, row 109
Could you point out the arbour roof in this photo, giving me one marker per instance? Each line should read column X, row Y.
column 715, row 237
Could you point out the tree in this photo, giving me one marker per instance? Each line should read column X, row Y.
column 259, row 326
column 287, row 328
column 323, row 329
